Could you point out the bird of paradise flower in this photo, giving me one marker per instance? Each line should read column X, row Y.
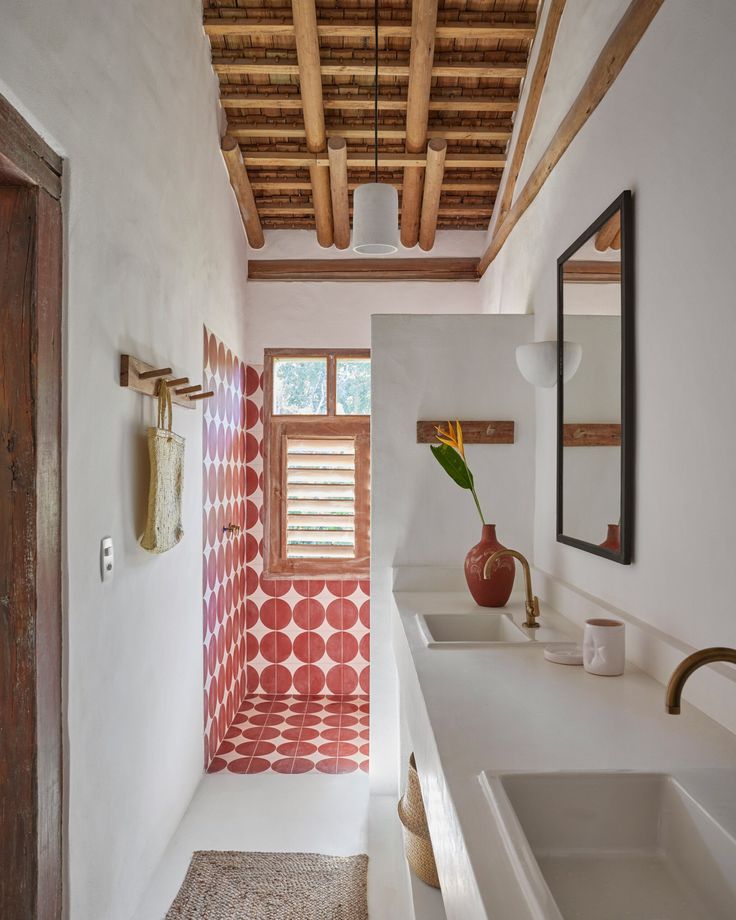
column 450, row 454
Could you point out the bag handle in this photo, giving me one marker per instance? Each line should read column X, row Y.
column 164, row 405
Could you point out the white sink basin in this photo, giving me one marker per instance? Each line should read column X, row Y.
column 613, row 846
column 470, row 629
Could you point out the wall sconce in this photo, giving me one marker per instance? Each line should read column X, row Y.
column 538, row 362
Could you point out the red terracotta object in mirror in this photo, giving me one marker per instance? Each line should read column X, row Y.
column 496, row 590
column 613, row 538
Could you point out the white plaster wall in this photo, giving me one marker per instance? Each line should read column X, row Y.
column 439, row 367
column 154, row 248
column 643, row 136
column 585, row 26
column 338, row 314
column 592, row 475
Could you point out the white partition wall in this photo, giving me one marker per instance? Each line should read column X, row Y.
column 438, row 367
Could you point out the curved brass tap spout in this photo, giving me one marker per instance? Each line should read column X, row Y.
column 686, row 667
column 532, row 601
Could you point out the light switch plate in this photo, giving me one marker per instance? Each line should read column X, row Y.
column 107, row 559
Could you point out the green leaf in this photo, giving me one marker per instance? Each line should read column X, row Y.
column 453, row 464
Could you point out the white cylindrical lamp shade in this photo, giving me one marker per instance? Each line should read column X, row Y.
column 375, row 219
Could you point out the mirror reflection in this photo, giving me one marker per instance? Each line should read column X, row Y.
column 590, row 314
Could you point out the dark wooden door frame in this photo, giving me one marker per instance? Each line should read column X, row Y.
column 31, row 789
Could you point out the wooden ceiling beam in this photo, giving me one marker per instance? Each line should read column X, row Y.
column 337, row 151
column 471, row 70
column 421, row 61
column 465, row 104
column 434, row 172
column 276, row 185
column 591, row 271
column 304, row 15
column 260, row 159
column 243, row 191
column 242, row 129
column 471, row 31
column 306, row 210
column 422, row 269
column 609, row 64
column 607, row 234
column 528, row 116
column 365, row 104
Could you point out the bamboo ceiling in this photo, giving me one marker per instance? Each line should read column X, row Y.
column 481, row 49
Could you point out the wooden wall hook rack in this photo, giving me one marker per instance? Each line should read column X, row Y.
column 144, row 378
column 474, row 432
column 591, row 434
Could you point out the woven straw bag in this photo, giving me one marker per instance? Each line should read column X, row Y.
column 417, row 843
column 166, row 453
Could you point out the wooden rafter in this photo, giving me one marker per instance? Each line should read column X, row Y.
column 471, row 31
column 242, row 129
column 609, row 64
column 290, row 81
column 364, row 160
column 435, row 170
column 606, row 236
column 421, row 60
column 277, row 185
column 299, row 210
column 528, row 116
column 365, row 68
column 310, row 87
column 243, row 191
column 437, row 103
column 338, row 154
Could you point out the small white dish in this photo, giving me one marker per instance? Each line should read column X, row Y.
column 564, row 653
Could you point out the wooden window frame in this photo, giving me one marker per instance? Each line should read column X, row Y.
column 277, row 428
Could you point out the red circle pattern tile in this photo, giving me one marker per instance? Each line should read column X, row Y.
column 267, row 637
column 290, row 734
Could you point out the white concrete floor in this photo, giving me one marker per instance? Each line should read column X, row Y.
column 311, row 812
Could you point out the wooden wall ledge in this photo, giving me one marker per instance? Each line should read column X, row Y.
column 445, row 269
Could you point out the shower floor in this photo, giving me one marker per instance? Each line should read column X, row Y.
column 296, row 734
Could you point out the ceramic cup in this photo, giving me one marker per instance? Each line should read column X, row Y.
column 604, row 649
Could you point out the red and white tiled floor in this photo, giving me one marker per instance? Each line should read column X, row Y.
column 296, row 734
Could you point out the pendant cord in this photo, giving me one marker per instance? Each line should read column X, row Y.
column 375, row 90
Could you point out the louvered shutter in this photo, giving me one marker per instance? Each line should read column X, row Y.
column 320, row 498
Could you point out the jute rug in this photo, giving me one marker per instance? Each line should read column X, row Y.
column 228, row 885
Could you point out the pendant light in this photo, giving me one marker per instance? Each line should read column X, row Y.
column 375, row 204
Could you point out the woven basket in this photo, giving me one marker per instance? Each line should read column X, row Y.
column 417, row 842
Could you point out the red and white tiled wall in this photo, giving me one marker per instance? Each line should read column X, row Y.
column 224, row 490
column 288, row 658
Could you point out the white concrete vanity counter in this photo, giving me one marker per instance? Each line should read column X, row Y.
column 504, row 708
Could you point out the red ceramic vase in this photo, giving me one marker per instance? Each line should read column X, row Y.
column 496, row 590
column 613, row 538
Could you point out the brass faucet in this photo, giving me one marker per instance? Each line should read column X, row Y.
column 686, row 667
column 532, row 601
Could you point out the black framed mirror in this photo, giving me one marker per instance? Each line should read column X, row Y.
column 595, row 386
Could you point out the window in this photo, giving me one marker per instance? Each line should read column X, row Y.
column 317, row 429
